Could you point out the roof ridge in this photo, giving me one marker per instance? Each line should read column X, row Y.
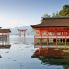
column 55, row 17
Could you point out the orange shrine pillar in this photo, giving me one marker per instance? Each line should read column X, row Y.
column 47, row 38
column 65, row 37
column 62, row 34
column 56, row 38
column 41, row 38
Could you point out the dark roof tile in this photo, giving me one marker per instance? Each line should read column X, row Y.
column 5, row 30
column 56, row 21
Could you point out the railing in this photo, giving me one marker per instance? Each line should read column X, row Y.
column 51, row 46
column 51, row 36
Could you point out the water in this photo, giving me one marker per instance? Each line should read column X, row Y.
column 18, row 56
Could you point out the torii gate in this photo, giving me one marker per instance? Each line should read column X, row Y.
column 22, row 31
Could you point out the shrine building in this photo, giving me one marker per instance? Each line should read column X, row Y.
column 52, row 31
column 4, row 38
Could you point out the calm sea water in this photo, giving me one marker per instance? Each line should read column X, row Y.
column 18, row 56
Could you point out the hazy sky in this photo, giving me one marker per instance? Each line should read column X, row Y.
column 26, row 12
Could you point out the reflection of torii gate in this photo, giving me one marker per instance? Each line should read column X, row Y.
column 22, row 32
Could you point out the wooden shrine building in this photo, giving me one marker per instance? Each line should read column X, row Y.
column 52, row 31
column 4, row 37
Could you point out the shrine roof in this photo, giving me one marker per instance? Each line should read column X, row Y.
column 53, row 22
column 5, row 31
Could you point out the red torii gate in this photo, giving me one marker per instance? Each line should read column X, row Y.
column 22, row 31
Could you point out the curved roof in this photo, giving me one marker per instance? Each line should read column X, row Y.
column 5, row 30
column 53, row 21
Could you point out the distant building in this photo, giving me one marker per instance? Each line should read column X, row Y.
column 52, row 31
column 4, row 37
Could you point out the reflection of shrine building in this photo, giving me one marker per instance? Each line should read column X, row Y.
column 4, row 38
column 51, row 56
column 52, row 31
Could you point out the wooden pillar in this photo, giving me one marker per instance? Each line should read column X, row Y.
column 35, row 41
column 8, row 41
column 47, row 38
column 56, row 38
column 65, row 38
column 62, row 35
column 41, row 39
column 4, row 42
column 47, row 42
column 2, row 39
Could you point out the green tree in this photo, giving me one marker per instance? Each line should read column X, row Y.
column 46, row 15
column 64, row 11
column 55, row 14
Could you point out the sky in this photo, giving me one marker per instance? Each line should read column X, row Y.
column 16, row 13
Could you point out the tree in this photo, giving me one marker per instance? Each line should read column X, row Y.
column 55, row 14
column 46, row 15
column 64, row 11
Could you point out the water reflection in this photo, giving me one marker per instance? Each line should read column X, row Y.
column 5, row 46
column 18, row 56
column 20, row 40
column 52, row 56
